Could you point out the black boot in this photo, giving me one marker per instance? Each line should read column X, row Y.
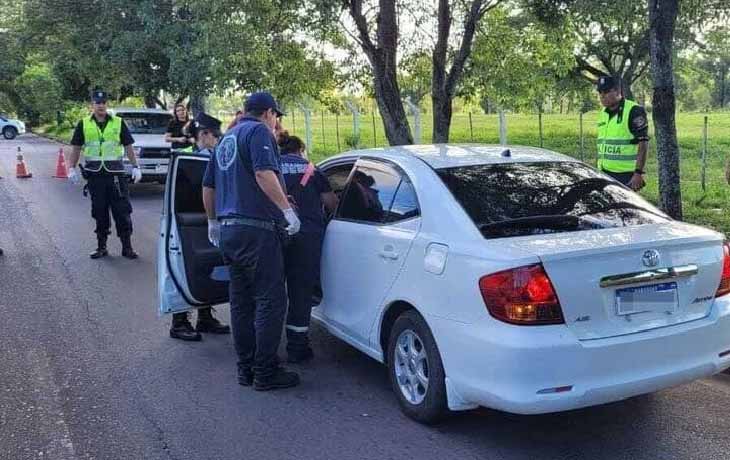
column 182, row 329
column 207, row 323
column 1, row 251
column 278, row 379
column 245, row 375
column 127, row 250
column 100, row 248
column 297, row 347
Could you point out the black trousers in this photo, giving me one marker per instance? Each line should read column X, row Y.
column 623, row 177
column 257, row 294
column 110, row 193
column 302, row 260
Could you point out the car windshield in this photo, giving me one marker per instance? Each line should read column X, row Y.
column 146, row 123
column 517, row 199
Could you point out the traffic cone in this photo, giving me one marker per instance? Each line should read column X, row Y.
column 61, row 171
column 21, row 170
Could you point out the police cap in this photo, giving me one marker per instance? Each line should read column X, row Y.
column 262, row 100
column 204, row 121
column 99, row 97
column 607, row 83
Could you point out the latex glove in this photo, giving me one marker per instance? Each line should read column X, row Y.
column 292, row 220
column 214, row 232
column 74, row 176
column 136, row 174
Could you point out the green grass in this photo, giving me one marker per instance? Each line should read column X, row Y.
column 60, row 133
column 561, row 134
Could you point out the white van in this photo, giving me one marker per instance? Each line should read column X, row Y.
column 148, row 127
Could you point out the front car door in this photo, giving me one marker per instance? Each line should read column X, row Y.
column 190, row 270
column 365, row 246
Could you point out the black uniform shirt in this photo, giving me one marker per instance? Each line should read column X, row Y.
column 78, row 136
column 638, row 123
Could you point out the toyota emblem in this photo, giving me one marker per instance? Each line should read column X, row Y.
column 650, row 258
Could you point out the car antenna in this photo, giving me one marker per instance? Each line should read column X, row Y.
column 506, row 153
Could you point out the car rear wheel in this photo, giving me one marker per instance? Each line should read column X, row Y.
column 9, row 132
column 415, row 368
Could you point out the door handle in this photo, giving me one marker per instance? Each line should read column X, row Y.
column 389, row 253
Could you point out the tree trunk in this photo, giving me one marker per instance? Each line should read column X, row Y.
column 150, row 102
column 662, row 19
column 197, row 104
column 442, row 111
column 382, row 57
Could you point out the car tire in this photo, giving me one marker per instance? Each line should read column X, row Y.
column 415, row 369
column 9, row 133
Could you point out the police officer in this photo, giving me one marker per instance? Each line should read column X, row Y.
column 246, row 202
column 623, row 135
column 206, row 131
column 311, row 192
column 105, row 139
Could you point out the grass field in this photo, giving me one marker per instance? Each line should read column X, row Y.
column 561, row 133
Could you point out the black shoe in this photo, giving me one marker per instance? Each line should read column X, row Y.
column 127, row 250
column 183, row 330
column 299, row 355
column 207, row 323
column 245, row 375
column 99, row 253
column 1, row 251
column 281, row 378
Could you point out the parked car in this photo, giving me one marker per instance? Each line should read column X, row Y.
column 11, row 128
column 516, row 279
column 148, row 127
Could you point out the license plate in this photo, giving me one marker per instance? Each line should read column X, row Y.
column 659, row 298
column 161, row 169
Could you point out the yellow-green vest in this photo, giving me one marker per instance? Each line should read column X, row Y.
column 617, row 149
column 103, row 149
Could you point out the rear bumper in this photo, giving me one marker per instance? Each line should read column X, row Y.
column 506, row 367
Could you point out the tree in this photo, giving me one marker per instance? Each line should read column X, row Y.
column 445, row 83
column 39, row 92
column 414, row 76
column 716, row 61
column 381, row 51
column 662, row 20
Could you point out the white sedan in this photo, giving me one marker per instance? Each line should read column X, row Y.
column 517, row 279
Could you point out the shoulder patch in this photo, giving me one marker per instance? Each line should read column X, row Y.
column 640, row 122
column 226, row 152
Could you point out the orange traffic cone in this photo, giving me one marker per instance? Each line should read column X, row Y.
column 61, row 172
column 21, row 170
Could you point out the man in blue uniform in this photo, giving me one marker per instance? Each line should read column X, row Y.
column 312, row 194
column 245, row 199
column 206, row 131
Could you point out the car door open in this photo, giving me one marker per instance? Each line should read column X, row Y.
column 190, row 270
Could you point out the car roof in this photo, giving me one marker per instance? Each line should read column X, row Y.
column 440, row 156
column 138, row 110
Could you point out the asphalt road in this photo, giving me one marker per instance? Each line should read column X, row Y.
column 87, row 370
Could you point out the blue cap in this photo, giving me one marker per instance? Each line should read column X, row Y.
column 607, row 83
column 205, row 121
column 99, row 96
column 262, row 100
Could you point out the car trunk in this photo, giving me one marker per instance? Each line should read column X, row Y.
column 610, row 282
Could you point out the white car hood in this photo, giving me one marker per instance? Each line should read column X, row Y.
column 150, row 141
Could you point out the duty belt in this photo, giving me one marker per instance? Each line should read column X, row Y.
column 266, row 225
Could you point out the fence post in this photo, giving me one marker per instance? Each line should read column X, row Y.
column 416, row 112
column 471, row 129
column 324, row 138
column 502, row 128
column 337, row 127
column 582, row 139
column 375, row 133
column 355, row 120
column 704, row 155
column 539, row 120
column 307, row 126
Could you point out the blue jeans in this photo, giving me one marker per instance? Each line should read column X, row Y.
column 257, row 294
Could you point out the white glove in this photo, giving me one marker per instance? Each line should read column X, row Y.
column 292, row 220
column 136, row 174
column 74, row 176
column 214, row 232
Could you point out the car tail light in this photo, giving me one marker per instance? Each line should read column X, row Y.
column 522, row 296
column 724, row 287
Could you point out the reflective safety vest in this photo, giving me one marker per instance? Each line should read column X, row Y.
column 617, row 149
column 103, row 149
column 188, row 149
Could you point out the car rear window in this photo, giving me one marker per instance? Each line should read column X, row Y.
column 146, row 123
column 516, row 199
